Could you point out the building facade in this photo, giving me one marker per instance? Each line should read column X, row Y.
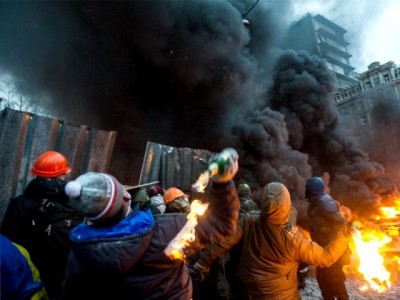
column 379, row 85
column 319, row 36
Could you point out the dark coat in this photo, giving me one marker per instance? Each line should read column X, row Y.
column 127, row 261
column 247, row 205
column 19, row 226
column 323, row 213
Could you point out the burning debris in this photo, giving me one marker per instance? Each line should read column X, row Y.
column 368, row 247
column 376, row 250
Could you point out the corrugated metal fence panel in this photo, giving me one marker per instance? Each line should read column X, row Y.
column 171, row 166
column 24, row 136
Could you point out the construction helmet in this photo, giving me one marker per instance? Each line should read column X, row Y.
column 140, row 195
column 171, row 194
column 244, row 189
column 51, row 164
column 155, row 190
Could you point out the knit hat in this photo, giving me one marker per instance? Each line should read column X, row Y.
column 97, row 196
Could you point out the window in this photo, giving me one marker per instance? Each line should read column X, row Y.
column 397, row 73
column 368, row 85
column 363, row 120
column 337, row 97
column 386, row 77
column 371, row 102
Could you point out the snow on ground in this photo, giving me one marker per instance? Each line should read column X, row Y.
column 312, row 292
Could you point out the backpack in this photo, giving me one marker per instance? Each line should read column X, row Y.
column 52, row 223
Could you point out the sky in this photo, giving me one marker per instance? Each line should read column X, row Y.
column 373, row 27
column 189, row 74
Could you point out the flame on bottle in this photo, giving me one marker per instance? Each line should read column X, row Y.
column 176, row 248
column 201, row 183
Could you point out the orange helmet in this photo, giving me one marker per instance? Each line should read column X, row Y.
column 51, row 164
column 171, row 194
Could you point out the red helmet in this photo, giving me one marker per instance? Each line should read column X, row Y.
column 51, row 164
column 155, row 190
column 171, row 194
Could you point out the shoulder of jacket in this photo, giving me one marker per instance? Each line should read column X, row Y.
column 328, row 205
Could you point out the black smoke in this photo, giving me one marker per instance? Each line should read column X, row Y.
column 302, row 92
column 188, row 74
column 386, row 113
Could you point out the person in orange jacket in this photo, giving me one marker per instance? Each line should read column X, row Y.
column 270, row 249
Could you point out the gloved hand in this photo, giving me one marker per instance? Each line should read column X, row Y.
column 198, row 272
column 224, row 165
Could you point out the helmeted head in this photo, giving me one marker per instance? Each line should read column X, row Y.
column 97, row 196
column 139, row 195
column 314, row 187
column 276, row 203
column 155, row 190
column 244, row 190
column 51, row 164
column 171, row 194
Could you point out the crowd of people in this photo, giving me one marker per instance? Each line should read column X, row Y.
column 93, row 238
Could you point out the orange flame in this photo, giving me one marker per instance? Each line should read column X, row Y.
column 176, row 248
column 390, row 212
column 368, row 246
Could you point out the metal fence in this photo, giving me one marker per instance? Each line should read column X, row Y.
column 24, row 136
column 171, row 166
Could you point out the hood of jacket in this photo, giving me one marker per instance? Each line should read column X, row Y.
column 113, row 250
column 47, row 188
column 275, row 203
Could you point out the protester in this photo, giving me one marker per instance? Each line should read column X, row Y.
column 247, row 205
column 325, row 221
column 221, row 282
column 119, row 254
column 271, row 249
column 176, row 201
column 18, row 275
column 156, row 196
column 40, row 220
column 141, row 201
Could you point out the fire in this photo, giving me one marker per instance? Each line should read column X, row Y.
column 176, row 248
column 391, row 211
column 368, row 246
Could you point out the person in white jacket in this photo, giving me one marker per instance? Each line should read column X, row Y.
column 156, row 197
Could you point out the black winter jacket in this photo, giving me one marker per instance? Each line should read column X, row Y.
column 20, row 225
column 325, row 218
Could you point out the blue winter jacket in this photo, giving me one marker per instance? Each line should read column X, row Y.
column 127, row 261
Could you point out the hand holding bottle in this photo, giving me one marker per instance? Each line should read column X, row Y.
column 223, row 166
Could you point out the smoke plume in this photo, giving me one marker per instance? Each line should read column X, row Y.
column 189, row 74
